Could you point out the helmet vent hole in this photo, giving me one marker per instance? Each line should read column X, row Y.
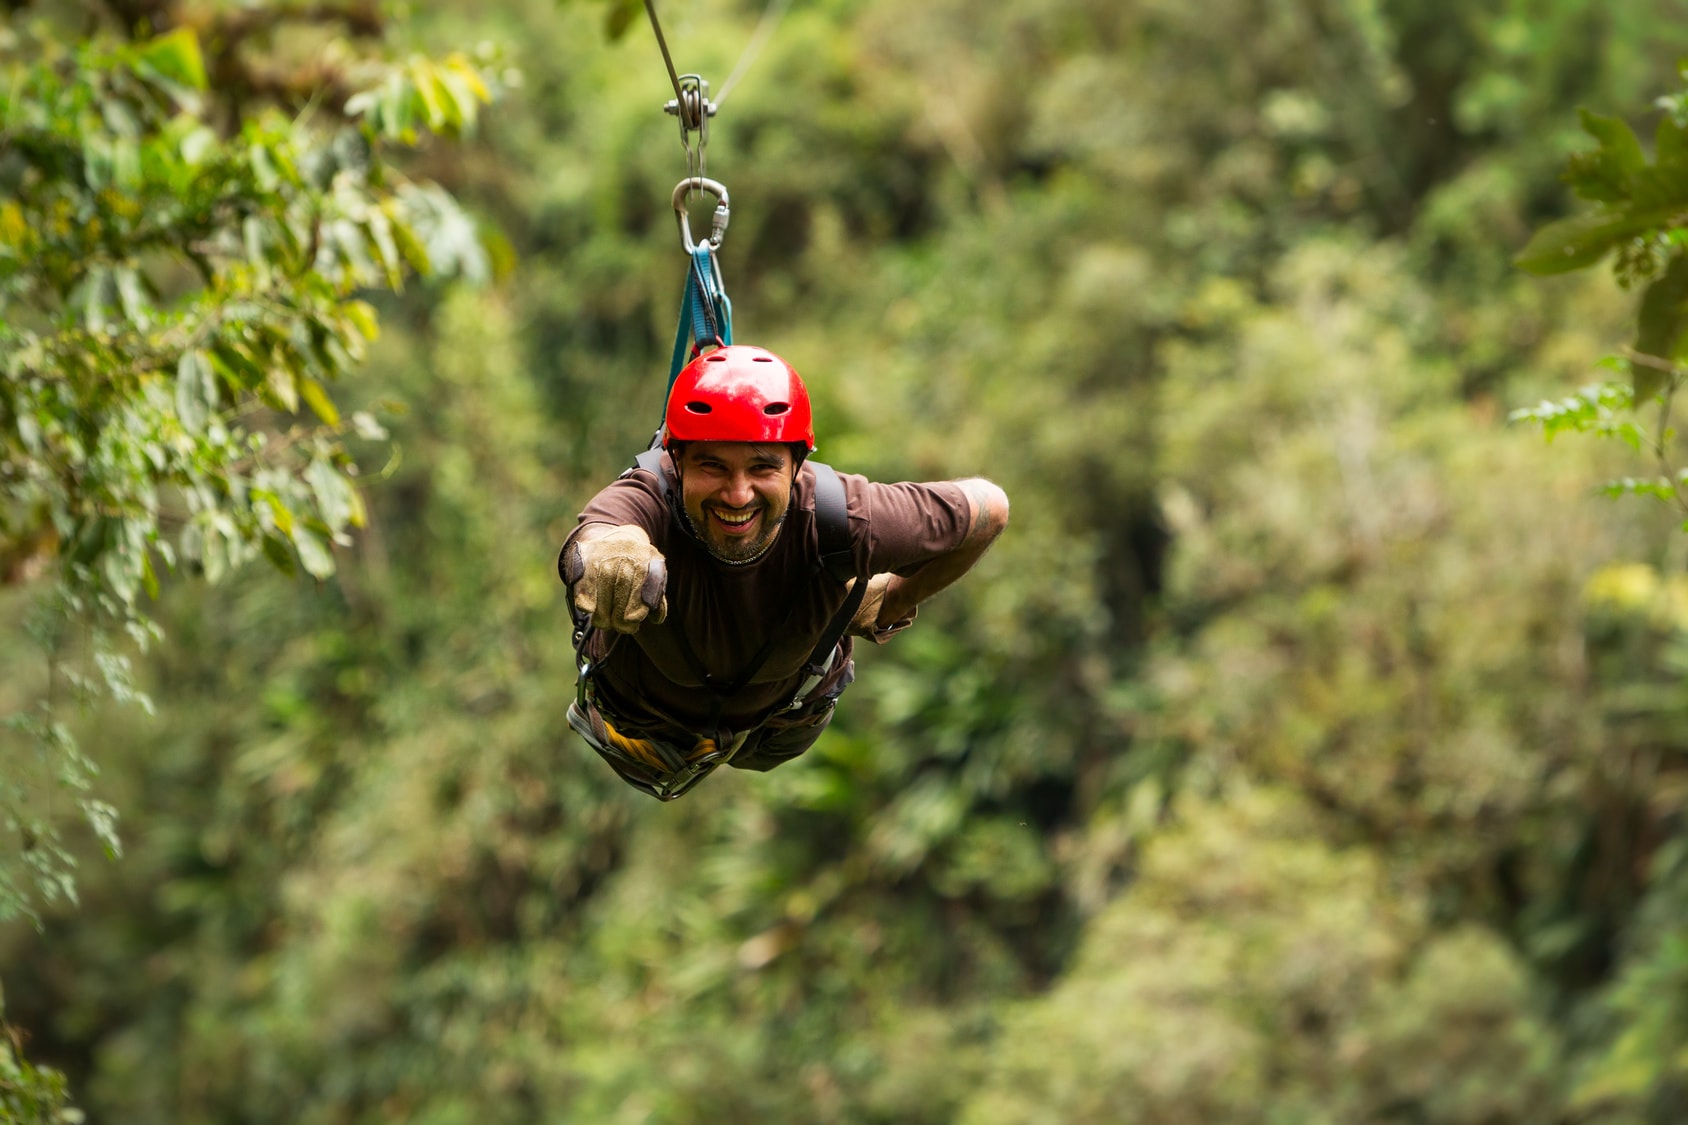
column 776, row 408
column 716, row 357
column 762, row 359
column 698, row 408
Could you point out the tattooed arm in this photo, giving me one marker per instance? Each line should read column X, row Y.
column 989, row 515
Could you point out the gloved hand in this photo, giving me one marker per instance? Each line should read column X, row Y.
column 866, row 621
column 618, row 578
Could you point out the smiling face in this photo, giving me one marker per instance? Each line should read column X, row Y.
column 736, row 494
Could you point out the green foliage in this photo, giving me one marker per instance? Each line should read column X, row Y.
column 1254, row 973
column 1598, row 409
column 1606, row 410
column 1641, row 204
column 31, row 1095
column 1295, row 756
column 177, row 304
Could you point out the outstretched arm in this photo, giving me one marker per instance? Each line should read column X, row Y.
column 989, row 515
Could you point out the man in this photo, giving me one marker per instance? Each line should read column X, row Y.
column 716, row 588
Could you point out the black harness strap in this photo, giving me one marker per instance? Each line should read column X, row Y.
column 651, row 461
column 832, row 520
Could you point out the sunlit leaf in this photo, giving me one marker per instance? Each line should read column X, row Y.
column 460, row 68
column 363, row 317
column 316, row 397
column 175, row 56
column 282, row 386
column 132, row 296
column 428, row 90
column 263, row 167
column 197, row 144
column 314, row 553
column 196, row 391
column 415, row 253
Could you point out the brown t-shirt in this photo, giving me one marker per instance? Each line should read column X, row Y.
column 727, row 612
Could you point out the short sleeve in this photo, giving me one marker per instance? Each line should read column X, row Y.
column 910, row 524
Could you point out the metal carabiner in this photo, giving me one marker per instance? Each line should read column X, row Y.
column 718, row 228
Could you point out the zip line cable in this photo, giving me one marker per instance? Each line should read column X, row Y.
column 765, row 27
column 673, row 76
column 771, row 16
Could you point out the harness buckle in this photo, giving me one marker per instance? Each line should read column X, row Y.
column 814, row 674
column 680, row 782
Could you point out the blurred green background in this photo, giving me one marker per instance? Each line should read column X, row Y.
column 1310, row 748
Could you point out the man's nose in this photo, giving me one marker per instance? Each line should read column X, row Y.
column 737, row 492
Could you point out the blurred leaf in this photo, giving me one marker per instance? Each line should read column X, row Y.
column 619, row 16
column 175, row 56
column 362, row 315
column 316, row 397
column 1608, row 174
column 196, row 391
column 1575, row 243
column 281, row 382
column 280, row 555
column 314, row 553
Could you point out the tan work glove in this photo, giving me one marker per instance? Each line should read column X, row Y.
column 866, row 621
column 618, row 578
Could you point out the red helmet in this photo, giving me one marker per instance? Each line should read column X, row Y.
column 739, row 393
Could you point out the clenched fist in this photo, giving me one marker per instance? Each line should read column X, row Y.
column 618, row 578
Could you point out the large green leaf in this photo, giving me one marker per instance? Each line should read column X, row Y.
column 175, row 56
column 1580, row 241
column 1608, row 173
